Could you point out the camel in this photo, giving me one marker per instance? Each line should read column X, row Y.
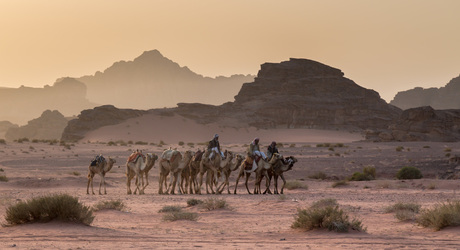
column 101, row 169
column 144, row 168
column 259, row 170
column 278, row 171
column 173, row 166
column 227, row 170
column 276, row 160
column 212, row 168
column 189, row 174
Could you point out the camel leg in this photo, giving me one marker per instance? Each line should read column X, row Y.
column 100, row 183
column 240, row 174
column 146, row 181
column 129, row 177
column 246, row 183
column 276, row 184
column 160, row 182
column 90, row 181
column 284, row 182
column 268, row 185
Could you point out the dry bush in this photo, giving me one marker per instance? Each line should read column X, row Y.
column 193, row 202
column 214, row 203
column 340, row 183
column 170, row 209
column 112, row 204
column 319, row 176
column 367, row 174
column 290, row 185
column 440, row 216
column 324, row 203
column 407, row 173
column 3, row 178
column 61, row 207
column 326, row 216
column 173, row 216
column 404, row 211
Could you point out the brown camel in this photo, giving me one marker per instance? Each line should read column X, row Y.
column 174, row 165
column 276, row 160
column 212, row 168
column 227, row 170
column 259, row 170
column 278, row 171
column 101, row 168
column 130, row 173
column 190, row 172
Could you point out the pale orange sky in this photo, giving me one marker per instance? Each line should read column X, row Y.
column 387, row 45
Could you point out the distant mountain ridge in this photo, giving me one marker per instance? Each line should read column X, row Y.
column 154, row 81
column 438, row 98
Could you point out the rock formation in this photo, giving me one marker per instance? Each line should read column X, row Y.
column 91, row 119
column 439, row 98
column 49, row 126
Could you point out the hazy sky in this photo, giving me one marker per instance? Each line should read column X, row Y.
column 387, row 45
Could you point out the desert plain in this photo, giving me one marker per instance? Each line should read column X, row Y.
column 252, row 221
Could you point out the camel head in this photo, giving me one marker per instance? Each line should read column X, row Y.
column 276, row 157
column 109, row 164
column 290, row 160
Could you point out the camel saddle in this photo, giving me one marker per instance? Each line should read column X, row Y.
column 134, row 156
column 198, row 155
column 249, row 161
column 169, row 155
column 97, row 160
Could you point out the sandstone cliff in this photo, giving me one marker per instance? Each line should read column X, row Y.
column 439, row 98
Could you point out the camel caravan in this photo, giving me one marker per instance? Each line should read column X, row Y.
column 186, row 170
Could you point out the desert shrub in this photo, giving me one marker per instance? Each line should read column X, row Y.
column 214, row 203
column 3, row 178
column 112, row 204
column 447, row 150
column 290, row 185
column 111, row 143
column 170, row 209
column 181, row 143
column 173, row 216
column 426, row 146
column 193, row 202
column 279, row 145
column 370, row 171
column 399, row 148
column 1, row 170
column 292, row 145
column 441, row 215
column 324, row 203
column 141, row 143
column 331, row 217
column 358, row 176
column 431, row 186
column 61, row 207
column 76, row 173
column 404, row 211
column 319, row 176
column 340, row 183
column 190, row 144
column 406, row 173
column 161, row 143
column 2, row 141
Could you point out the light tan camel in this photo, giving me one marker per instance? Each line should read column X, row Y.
column 259, row 170
column 131, row 173
column 278, row 171
column 173, row 166
column 101, row 169
column 212, row 168
column 227, row 170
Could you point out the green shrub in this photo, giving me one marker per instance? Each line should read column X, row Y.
column 113, row 204
column 406, row 173
column 290, row 185
column 319, row 176
column 193, row 202
column 2, row 141
column 214, row 203
column 181, row 143
column 440, row 216
column 170, row 209
column 173, row 216
column 370, row 171
column 61, row 207
column 399, row 148
column 331, row 217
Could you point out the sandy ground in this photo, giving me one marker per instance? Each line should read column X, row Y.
column 254, row 221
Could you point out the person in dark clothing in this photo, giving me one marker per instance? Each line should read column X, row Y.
column 214, row 147
column 271, row 150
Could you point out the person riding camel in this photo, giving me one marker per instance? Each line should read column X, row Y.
column 254, row 149
column 271, row 150
column 214, row 147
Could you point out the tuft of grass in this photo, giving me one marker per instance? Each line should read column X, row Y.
column 170, row 209
column 324, row 203
column 431, row 186
column 340, row 183
column 413, row 207
column 76, row 173
column 440, row 216
column 61, row 207
column 173, row 216
column 282, row 197
column 193, row 202
column 112, row 204
column 319, row 176
column 330, row 217
column 214, row 203
column 399, row 148
column 407, row 173
column 290, row 185
column 3, row 178
column 292, row 145
column 2, row 141
column 181, row 143
column 141, row 143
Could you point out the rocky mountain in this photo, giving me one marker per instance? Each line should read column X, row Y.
column 19, row 105
column 48, row 126
column 154, row 81
column 421, row 124
column 439, row 98
column 298, row 93
column 4, row 126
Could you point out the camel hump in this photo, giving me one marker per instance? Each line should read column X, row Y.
column 134, row 156
column 198, row 155
column 169, row 154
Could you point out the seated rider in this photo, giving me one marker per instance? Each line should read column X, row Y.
column 271, row 150
column 254, row 149
column 214, row 147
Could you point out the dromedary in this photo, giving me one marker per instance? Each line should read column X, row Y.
column 189, row 174
column 278, row 170
column 276, row 160
column 259, row 170
column 212, row 167
column 174, row 165
column 101, row 168
column 227, row 170
column 139, row 169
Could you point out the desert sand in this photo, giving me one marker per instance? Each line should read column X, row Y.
column 254, row 221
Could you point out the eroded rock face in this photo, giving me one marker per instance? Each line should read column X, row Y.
column 49, row 126
column 301, row 93
column 92, row 119
column 422, row 124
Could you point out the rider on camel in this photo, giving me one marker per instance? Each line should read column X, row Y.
column 214, row 147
